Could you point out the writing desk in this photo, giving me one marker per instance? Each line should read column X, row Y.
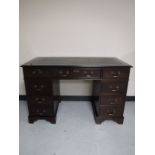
column 42, row 82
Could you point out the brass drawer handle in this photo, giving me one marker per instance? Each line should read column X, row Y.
column 41, row 113
column 39, row 71
column 112, row 102
column 39, row 100
column 112, row 112
column 64, row 74
column 88, row 75
column 115, row 76
column 114, row 90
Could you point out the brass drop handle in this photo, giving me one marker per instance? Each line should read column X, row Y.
column 112, row 102
column 114, row 90
column 38, row 70
column 111, row 113
column 41, row 113
column 40, row 100
column 116, row 74
column 64, row 74
column 88, row 75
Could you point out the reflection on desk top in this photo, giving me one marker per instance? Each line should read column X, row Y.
column 77, row 62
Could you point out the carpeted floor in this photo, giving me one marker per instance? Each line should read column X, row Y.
column 76, row 132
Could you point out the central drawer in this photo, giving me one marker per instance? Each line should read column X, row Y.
column 77, row 73
column 87, row 73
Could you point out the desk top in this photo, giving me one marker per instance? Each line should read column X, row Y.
column 77, row 62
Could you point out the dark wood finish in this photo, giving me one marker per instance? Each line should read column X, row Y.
column 112, row 100
column 115, row 73
column 76, row 98
column 110, row 79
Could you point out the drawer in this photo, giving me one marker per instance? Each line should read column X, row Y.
column 38, row 86
column 87, row 73
column 37, row 110
column 112, row 100
column 115, row 73
column 77, row 73
column 40, row 100
column 64, row 73
column 111, row 111
column 36, row 72
column 113, row 87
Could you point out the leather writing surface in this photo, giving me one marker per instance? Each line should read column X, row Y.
column 77, row 61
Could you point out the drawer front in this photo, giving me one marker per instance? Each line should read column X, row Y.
column 87, row 73
column 113, row 87
column 77, row 73
column 64, row 73
column 111, row 111
column 36, row 72
column 38, row 86
column 114, row 73
column 40, row 100
column 37, row 110
column 112, row 100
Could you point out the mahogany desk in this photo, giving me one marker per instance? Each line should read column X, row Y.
column 110, row 80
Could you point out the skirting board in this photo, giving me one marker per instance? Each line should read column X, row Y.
column 78, row 98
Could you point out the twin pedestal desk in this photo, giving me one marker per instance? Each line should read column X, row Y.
column 110, row 80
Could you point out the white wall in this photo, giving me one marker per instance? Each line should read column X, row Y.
column 77, row 28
